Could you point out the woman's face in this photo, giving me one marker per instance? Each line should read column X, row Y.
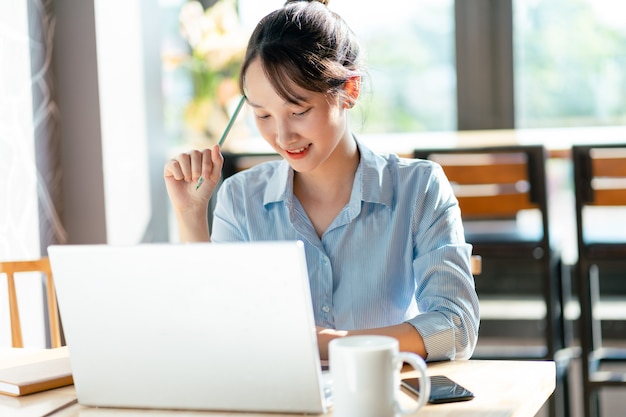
column 306, row 135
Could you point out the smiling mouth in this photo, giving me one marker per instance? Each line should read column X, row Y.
column 298, row 150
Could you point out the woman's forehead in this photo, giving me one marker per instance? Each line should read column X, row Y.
column 257, row 85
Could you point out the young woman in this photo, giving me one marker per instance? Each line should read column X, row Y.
column 383, row 236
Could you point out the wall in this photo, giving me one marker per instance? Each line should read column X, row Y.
column 107, row 66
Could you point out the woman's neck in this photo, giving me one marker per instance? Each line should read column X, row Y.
column 333, row 178
column 323, row 193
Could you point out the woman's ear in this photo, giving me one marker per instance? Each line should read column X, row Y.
column 352, row 89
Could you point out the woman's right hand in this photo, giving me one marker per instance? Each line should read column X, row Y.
column 182, row 174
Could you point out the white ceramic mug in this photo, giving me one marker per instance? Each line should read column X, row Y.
column 365, row 373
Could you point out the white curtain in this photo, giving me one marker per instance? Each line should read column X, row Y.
column 45, row 123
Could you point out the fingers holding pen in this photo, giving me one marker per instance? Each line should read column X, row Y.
column 212, row 162
column 180, row 167
column 196, row 166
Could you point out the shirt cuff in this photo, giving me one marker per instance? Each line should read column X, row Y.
column 438, row 335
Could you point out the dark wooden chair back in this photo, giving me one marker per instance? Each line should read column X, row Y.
column 600, row 175
column 493, row 183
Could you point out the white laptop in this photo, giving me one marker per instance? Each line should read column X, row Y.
column 224, row 326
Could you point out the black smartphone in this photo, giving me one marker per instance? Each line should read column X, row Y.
column 442, row 389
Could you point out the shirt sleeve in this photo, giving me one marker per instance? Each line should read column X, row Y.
column 228, row 214
column 446, row 296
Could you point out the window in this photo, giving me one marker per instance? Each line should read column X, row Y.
column 411, row 64
column 412, row 79
column 570, row 63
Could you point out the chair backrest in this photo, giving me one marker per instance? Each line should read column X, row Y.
column 600, row 174
column 600, row 184
column 493, row 182
column 12, row 269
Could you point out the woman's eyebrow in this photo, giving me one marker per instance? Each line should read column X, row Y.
column 302, row 103
column 251, row 104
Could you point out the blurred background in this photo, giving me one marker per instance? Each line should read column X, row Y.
column 95, row 96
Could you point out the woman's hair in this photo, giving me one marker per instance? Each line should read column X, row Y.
column 306, row 44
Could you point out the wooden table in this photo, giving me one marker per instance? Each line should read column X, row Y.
column 502, row 388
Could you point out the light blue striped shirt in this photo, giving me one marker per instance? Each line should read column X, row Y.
column 395, row 253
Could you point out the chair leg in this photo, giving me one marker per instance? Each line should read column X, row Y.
column 592, row 403
column 559, row 402
column 553, row 403
column 566, row 336
column 590, row 334
column 566, row 412
column 560, row 406
column 557, row 340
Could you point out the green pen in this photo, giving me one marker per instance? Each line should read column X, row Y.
column 226, row 130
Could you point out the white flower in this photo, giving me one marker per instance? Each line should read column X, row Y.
column 190, row 18
column 214, row 34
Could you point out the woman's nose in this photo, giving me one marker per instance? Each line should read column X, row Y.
column 284, row 135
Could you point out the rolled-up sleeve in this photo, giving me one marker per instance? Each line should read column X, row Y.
column 449, row 317
column 445, row 293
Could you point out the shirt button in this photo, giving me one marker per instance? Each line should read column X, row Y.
column 325, row 309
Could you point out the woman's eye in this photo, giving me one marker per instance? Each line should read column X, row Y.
column 262, row 116
column 302, row 113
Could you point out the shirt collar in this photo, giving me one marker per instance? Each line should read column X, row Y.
column 372, row 182
column 376, row 181
column 280, row 185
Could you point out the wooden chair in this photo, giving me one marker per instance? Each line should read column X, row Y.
column 600, row 184
column 499, row 188
column 12, row 269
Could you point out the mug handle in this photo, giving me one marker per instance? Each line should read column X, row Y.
column 418, row 364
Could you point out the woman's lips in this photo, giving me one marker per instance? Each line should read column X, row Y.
column 298, row 153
